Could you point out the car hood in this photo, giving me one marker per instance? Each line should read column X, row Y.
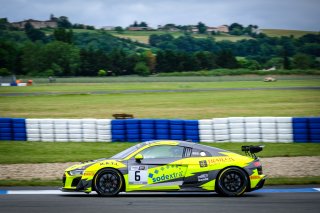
column 84, row 165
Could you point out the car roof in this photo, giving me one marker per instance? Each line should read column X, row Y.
column 212, row 150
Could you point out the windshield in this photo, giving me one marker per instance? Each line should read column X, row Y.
column 128, row 151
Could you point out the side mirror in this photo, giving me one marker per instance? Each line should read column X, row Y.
column 138, row 157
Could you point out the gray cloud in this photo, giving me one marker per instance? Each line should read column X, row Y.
column 285, row 14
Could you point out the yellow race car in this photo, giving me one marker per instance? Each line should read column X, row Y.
column 169, row 166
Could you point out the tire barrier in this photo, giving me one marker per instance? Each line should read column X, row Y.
column 232, row 129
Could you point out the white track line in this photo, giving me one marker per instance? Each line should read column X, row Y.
column 38, row 192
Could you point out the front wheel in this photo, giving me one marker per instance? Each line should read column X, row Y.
column 108, row 182
column 232, row 182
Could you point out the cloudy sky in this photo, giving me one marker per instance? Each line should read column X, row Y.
column 277, row 14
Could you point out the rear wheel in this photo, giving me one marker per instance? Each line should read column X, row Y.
column 108, row 182
column 232, row 182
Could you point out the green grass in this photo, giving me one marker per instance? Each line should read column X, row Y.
column 232, row 38
column 269, row 181
column 197, row 77
column 281, row 32
column 293, row 181
column 184, row 105
column 143, row 36
column 89, row 87
column 39, row 152
column 33, row 182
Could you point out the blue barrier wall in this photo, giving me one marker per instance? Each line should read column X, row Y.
column 306, row 129
column 13, row 129
column 137, row 130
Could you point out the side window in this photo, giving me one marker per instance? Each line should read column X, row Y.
column 162, row 152
column 199, row 153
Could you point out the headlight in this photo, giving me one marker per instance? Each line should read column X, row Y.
column 76, row 172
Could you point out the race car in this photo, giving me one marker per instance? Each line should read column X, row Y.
column 169, row 166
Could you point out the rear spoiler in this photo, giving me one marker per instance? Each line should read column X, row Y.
column 252, row 150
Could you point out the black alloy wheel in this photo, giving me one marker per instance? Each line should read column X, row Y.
column 232, row 182
column 108, row 182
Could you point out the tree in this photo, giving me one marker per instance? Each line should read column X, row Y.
column 249, row 64
column 62, row 58
column 150, row 60
column 5, row 72
column 202, row 28
column 276, row 62
column 302, row 61
column 236, row 29
column 206, row 60
column 9, row 56
column 226, row 59
column 142, row 69
column 34, row 34
column 33, row 58
column 63, row 22
column 4, row 24
column 119, row 29
column 60, row 34
column 135, row 24
column 143, row 24
column 286, row 60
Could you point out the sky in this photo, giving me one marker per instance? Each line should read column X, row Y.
column 267, row 14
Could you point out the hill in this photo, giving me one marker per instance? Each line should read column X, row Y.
column 143, row 36
column 283, row 32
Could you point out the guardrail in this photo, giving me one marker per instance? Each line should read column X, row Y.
column 232, row 129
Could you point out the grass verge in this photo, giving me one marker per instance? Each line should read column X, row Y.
column 33, row 182
column 186, row 105
column 269, row 181
column 40, row 152
column 293, row 181
column 147, row 86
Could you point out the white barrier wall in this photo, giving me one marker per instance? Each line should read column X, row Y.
column 232, row 129
column 246, row 129
column 65, row 130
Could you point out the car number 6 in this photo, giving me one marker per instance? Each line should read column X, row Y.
column 137, row 176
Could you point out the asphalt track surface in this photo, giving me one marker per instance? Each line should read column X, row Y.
column 267, row 200
column 155, row 91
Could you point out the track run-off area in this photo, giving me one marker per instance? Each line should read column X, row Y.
column 283, row 199
column 156, row 91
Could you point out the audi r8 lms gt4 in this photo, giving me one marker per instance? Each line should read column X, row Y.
column 169, row 166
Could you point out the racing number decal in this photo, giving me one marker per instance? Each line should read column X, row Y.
column 138, row 175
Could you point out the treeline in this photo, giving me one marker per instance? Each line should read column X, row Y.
column 65, row 53
column 263, row 51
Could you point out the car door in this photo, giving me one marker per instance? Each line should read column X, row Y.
column 157, row 170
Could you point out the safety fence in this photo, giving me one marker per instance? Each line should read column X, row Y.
column 232, row 129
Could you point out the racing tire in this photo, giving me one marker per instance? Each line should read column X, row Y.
column 108, row 182
column 232, row 182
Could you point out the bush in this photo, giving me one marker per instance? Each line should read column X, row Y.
column 102, row 73
column 142, row 69
column 4, row 72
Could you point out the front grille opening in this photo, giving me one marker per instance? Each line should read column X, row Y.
column 75, row 181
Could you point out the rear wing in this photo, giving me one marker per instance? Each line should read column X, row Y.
column 252, row 150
